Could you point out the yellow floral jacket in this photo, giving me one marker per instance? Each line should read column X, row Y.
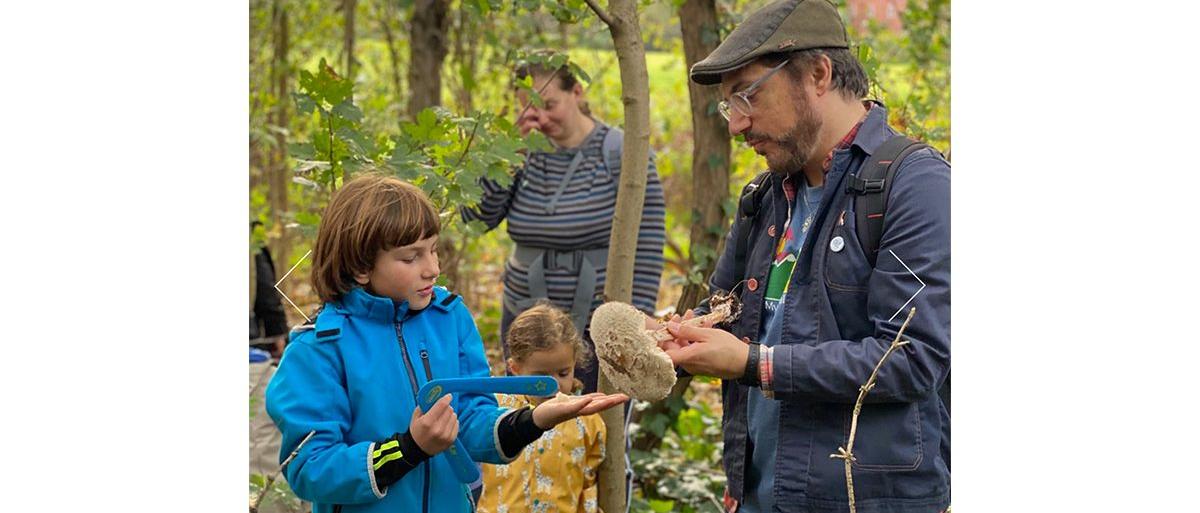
column 555, row 473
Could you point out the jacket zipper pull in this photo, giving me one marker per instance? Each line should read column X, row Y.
column 425, row 362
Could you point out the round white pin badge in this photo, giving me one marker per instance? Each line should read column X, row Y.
column 837, row 244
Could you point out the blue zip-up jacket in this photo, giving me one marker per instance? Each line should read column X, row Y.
column 353, row 379
column 839, row 316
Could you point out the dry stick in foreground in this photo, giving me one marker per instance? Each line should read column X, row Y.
column 271, row 479
column 847, row 453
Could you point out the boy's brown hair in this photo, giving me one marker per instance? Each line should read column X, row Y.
column 371, row 213
column 540, row 328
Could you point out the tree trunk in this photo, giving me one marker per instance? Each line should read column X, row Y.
column 384, row 15
column 277, row 172
column 348, row 7
column 457, row 268
column 427, row 51
column 564, row 33
column 622, row 20
column 465, row 53
column 710, row 181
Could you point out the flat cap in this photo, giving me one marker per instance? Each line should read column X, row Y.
column 783, row 26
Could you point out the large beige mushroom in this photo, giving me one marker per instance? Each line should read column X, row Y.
column 629, row 354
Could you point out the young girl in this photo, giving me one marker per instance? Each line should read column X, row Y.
column 350, row 380
column 558, row 471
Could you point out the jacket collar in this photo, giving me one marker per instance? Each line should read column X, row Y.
column 874, row 130
column 360, row 303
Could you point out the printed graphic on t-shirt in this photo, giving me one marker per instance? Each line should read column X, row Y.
column 781, row 273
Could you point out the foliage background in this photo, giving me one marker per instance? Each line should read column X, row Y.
column 312, row 124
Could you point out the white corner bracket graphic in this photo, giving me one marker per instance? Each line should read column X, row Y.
column 910, row 271
column 289, row 300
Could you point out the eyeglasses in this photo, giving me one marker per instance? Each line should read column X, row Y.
column 741, row 100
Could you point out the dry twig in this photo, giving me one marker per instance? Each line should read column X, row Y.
column 257, row 501
column 847, row 453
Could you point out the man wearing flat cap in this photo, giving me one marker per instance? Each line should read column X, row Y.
column 828, row 254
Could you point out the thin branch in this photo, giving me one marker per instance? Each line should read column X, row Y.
column 469, row 141
column 274, row 475
column 604, row 16
column 847, row 453
column 444, row 213
column 333, row 178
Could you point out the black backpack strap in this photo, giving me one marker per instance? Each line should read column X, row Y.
column 748, row 206
column 872, row 185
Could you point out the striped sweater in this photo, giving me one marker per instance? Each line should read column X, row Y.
column 582, row 219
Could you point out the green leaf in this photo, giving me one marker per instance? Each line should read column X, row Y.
column 661, row 506
column 303, row 151
column 689, row 423
column 304, row 103
column 358, row 145
column 335, row 89
column 526, row 83
column 347, row 110
column 580, row 73
column 423, row 130
column 405, row 158
column 353, row 166
column 658, row 424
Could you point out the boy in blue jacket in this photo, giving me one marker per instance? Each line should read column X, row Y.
column 351, row 378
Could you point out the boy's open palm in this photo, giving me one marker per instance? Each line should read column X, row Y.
column 435, row 430
column 566, row 407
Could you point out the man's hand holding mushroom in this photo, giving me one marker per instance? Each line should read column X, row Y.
column 706, row 351
column 633, row 349
column 665, row 340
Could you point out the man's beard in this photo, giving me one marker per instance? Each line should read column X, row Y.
column 798, row 143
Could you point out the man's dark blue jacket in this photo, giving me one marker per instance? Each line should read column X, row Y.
column 839, row 316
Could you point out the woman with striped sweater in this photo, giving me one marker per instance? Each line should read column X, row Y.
column 560, row 207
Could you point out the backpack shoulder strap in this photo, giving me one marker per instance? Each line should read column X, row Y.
column 614, row 140
column 752, row 195
column 871, row 187
column 748, row 207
